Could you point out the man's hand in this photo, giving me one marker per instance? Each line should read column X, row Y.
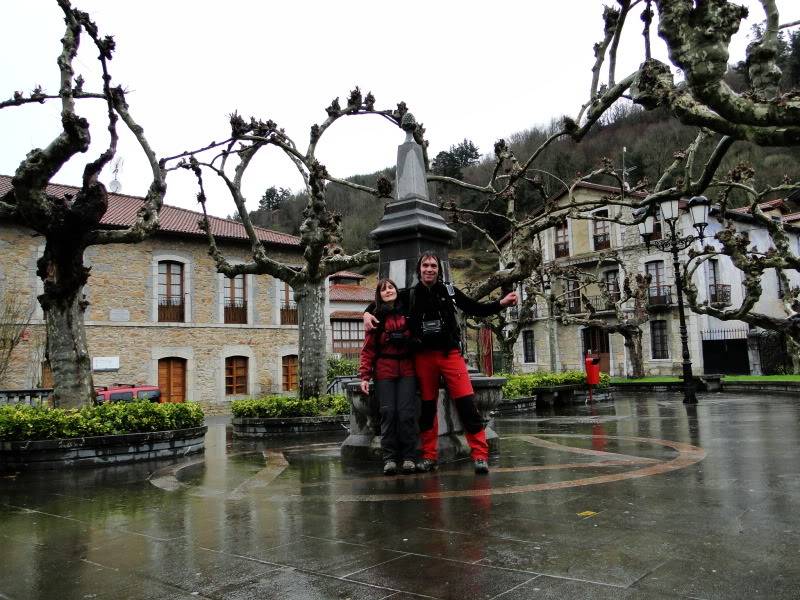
column 365, row 387
column 509, row 299
column 370, row 321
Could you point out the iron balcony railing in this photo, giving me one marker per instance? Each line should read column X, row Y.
column 719, row 293
column 660, row 295
column 602, row 241
column 171, row 309
column 235, row 310
column 573, row 306
column 289, row 313
column 561, row 249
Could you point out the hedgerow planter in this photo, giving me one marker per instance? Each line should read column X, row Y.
column 249, row 427
column 100, row 450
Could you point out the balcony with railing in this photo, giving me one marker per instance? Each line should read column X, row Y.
column 602, row 241
column 235, row 310
column 659, row 295
column 561, row 249
column 601, row 303
column 719, row 294
column 573, row 306
column 289, row 313
column 170, row 309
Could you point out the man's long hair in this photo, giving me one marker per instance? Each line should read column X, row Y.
column 430, row 254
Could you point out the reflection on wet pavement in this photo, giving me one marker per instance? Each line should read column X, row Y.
column 635, row 498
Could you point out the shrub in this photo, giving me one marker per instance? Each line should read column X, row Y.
column 22, row 422
column 342, row 367
column 520, row 386
column 271, row 407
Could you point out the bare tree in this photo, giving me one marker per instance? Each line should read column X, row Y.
column 618, row 308
column 71, row 224
column 320, row 231
column 753, row 262
column 15, row 316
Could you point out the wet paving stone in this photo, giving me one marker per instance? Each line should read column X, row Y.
column 603, row 501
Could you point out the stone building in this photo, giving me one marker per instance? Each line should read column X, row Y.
column 159, row 313
column 715, row 346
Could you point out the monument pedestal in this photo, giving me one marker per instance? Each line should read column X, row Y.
column 364, row 441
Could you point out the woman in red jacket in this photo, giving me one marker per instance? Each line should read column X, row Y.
column 386, row 358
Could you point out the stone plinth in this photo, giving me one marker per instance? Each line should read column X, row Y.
column 364, row 441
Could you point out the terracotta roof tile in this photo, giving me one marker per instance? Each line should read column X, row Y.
column 349, row 275
column 342, row 292
column 777, row 203
column 122, row 211
column 350, row 315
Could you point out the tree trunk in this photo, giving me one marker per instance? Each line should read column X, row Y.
column 310, row 298
column 551, row 332
column 633, row 344
column 67, row 350
column 64, row 276
column 507, row 351
column 793, row 348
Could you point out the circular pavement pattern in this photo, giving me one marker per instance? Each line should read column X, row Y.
column 176, row 477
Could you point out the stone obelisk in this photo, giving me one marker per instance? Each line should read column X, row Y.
column 411, row 223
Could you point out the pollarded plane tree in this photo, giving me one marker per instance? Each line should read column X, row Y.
column 70, row 224
column 698, row 37
column 320, row 230
column 755, row 261
column 620, row 307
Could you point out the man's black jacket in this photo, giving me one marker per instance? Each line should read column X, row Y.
column 435, row 303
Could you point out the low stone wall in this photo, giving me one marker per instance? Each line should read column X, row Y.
column 101, row 450
column 766, row 387
column 259, row 428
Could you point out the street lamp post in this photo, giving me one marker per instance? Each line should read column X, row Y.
column 674, row 243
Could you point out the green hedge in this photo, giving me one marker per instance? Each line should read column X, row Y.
column 271, row 407
column 341, row 367
column 22, row 422
column 520, row 386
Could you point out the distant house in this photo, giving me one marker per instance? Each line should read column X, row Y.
column 348, row 299
column 715, row 346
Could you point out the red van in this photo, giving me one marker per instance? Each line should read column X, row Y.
column 122, row 392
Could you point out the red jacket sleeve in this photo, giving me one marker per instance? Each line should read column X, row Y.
column 367, row 356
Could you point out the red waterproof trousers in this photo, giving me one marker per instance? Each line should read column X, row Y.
column 450, row 365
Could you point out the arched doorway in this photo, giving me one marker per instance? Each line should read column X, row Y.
column 172, row 379
column 596, row 340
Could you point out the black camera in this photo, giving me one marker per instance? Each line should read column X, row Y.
column 397, row 336
column 432, row 327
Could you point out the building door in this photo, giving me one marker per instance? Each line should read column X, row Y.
column 172, row 379
column 596, row 340
column 289, row 364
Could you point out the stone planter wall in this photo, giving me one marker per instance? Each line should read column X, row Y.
column 260, row 428
column 101, row 450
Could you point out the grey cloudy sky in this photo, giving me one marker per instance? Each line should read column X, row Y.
column 466, row 69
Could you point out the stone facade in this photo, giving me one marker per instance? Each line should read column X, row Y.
column 703, row 330
column 122, row 317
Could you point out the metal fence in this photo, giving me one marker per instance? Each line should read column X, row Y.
column 32, row 397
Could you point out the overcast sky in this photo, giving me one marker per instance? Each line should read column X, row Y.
column 470, row 69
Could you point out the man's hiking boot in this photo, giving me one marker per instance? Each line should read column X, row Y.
column 481, row 467
column 426, row 464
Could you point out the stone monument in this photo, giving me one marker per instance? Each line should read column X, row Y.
column 411, row 223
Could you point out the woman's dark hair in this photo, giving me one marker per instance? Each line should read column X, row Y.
column 378, row 288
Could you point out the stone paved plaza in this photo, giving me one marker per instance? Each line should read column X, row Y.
column 632, row 499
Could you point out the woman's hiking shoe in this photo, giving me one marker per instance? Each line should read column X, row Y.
column 408, row 467
column 389, row 467
column 426, row 464
column 481, row 467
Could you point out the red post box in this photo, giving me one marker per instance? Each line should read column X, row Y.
column 592, row 364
